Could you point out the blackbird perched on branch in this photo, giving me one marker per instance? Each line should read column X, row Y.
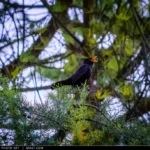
column 81, row 76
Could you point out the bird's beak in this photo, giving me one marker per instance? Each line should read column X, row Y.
column 93, row 59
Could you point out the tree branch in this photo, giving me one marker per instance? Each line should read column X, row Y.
column 138, row 25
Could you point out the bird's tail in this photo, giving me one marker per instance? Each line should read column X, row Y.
column 61, row 83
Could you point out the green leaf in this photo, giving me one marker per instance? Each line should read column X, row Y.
column 68, row 39
column 60, row 6
column 126, row 90
column 123, row 15
column 104, row 79
column 129, row 50
column 16, row 71
column 101, row 94
column 27, row 57
column 39, row 31
column 112, row 64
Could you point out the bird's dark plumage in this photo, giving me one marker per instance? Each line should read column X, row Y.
column 82, row 75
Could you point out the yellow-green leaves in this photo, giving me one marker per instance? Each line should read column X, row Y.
column 113, row 64
column 130, row 47
column 123, row 15
column 101, row 94
column 98, row 27
column 41, row 30
column 16, row 71
column 126, row 90
column 88, row 33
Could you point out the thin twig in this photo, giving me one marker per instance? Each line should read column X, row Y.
column 66, row 29
column 138, row 25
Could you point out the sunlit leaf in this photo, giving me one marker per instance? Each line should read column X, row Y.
column 101, row 94
column 123, row 15
column 126, row 90
column 16, row 71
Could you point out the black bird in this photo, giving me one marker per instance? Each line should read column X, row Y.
column 82, row 75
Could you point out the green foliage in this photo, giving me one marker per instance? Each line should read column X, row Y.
column 104, row 79
column 27, row 57
column 133, row 132
column 68, row 39
column 123, row 15
column 62, row 111
column 60, row 6
column 78, row 3
column 17, row 128
column 98, row 27
column 126, row 90
column 100, row 95
column 16, row 71
column 39, row 31
column 112, row 66
column 12, row 121
column 71, row 65
column 49, row 73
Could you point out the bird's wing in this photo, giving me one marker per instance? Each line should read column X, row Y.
column 79, row 73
